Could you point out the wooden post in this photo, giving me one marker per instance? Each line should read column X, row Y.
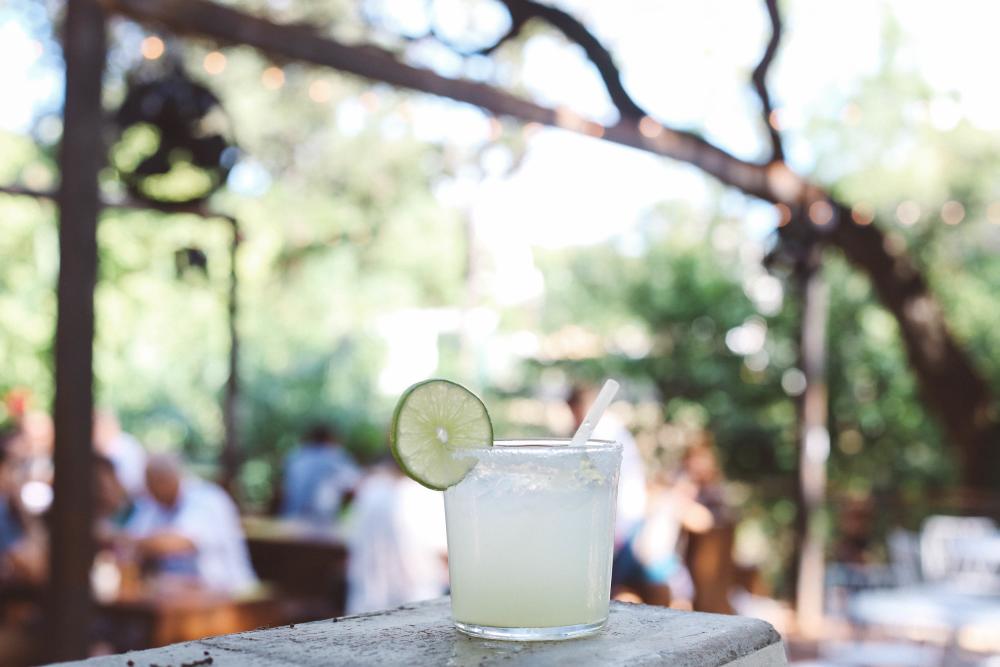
column 814, row 443
column 80, row 157
column 230, row 405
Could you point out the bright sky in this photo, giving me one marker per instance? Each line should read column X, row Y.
column 687, row 63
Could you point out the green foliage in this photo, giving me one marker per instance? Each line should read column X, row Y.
column 344, row 229
column 341, row 226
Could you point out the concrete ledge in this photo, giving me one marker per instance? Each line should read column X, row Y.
column 422, row 634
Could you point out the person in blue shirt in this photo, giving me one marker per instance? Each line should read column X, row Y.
column 11, row 521
column 319, row 475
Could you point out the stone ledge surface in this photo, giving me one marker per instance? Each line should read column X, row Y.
column 422, row 634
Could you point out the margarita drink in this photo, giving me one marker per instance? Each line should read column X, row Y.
column 530, row 533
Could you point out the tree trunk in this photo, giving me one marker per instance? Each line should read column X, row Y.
column 813, row 443
column 949, row 384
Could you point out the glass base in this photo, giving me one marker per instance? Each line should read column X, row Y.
column 531, row 634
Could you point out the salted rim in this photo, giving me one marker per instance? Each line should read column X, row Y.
column 548, row 445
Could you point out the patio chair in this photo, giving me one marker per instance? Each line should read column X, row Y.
column 904, row 556
column 940, row 559
column 883, row 653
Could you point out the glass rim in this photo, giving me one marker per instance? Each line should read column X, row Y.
column 553, row 445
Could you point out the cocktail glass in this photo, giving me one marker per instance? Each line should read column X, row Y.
column 530, row 536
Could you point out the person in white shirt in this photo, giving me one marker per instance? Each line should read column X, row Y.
column 122, row 449
column 188, row 526
column 397, row 543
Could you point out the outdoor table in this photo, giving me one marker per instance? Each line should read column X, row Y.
column 948, row 611
column 925, row 607
column 305, row 560
column 423, row 634
column 156, row 618
column 980, row 553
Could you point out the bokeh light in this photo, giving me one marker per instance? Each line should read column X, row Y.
column 952, row 212
column 784, row 214
column 821, row 212
column 214, row 62
column 320, row 91
column 993, row 213
column 273, row 78
column 152, row 47
column 908, row 213
column 863, row 214
column 649, row 128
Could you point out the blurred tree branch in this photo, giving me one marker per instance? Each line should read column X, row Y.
column 759, row 80
column 949, row 382
column 521, row 11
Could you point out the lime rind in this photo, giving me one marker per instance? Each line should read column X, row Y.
column 434, row 422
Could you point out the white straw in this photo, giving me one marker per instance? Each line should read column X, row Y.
column 595, row 413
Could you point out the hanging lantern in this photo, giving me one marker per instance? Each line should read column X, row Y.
column 175, row 141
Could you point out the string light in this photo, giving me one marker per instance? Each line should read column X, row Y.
column 952, row 212
column 908, row 212
column 369, row 100
column 993, row 213
column 568, row 119
column 531, row 129
column 152, row 47
column 214, row 62
column 774, row 119
column 851, row 114
column 820, row 212
column 784, row 214
column 320, row 91
column 894, row 243
column 862, row 214
column 649, row 128
column 272, row 78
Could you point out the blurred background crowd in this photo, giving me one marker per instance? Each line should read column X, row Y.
column 163, row 531
column 284, row 248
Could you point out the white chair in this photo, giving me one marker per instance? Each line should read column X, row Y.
column 904, row 556
column 940, row 558
column 880, row 654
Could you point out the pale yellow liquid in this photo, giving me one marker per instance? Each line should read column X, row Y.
column 529, row 543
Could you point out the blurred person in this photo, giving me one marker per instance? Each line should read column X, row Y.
column 397, row 542
column 855, row 530
column 122, row 449
column 319, row 475
column 710, row 556
column 632, row 481
column 11, row 518
column 36, row 435
column 113, row 505
column 188, row 526
column 651, row 566
column 700, row 468
column 23, row 540
column 32, row 445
